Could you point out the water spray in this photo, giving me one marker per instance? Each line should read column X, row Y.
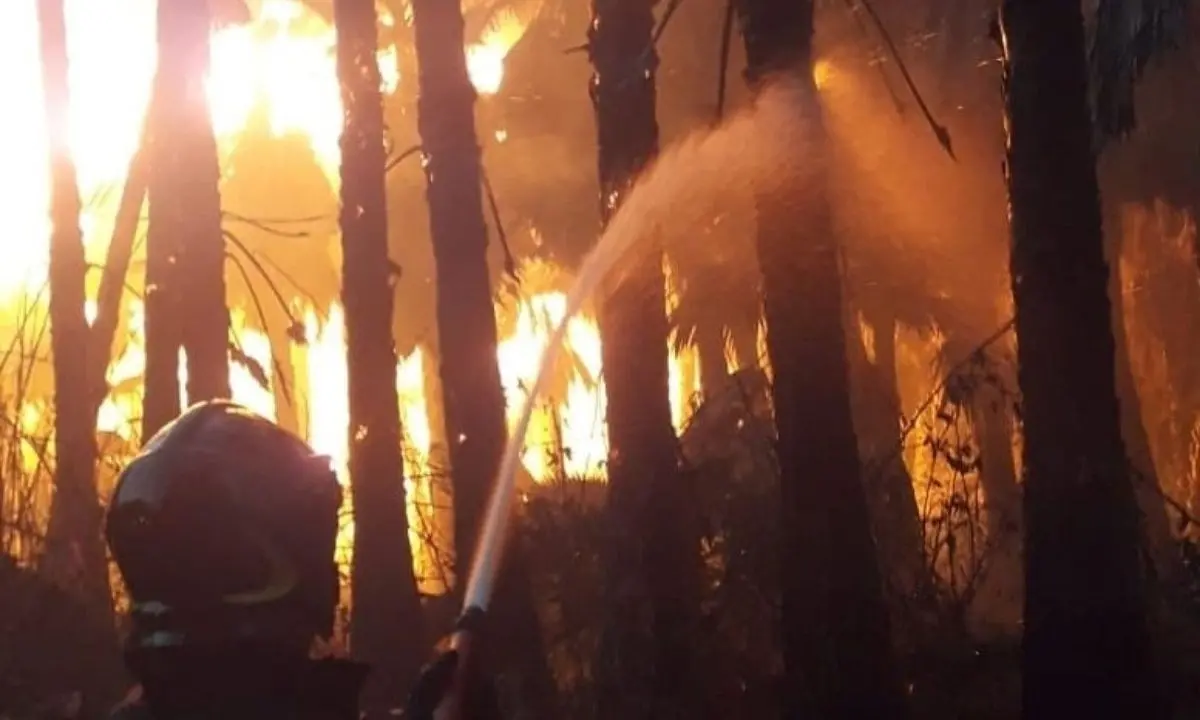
column 755, row 150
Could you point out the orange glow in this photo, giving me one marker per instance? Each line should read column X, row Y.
column 283, row 61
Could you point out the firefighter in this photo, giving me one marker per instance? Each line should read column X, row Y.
column 223, row 529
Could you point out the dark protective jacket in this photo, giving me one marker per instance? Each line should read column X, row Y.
column 318, row 690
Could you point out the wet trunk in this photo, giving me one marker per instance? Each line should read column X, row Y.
column 74, row 549
column 386, row 624
column 1086, row 646
column 189, row 177
column 647, row 668
column 836, row 634
column 1156, row 525
column 474, row 404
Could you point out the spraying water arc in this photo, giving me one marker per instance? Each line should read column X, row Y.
column 760, row 150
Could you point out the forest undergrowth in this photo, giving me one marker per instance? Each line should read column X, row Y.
column 957, row 635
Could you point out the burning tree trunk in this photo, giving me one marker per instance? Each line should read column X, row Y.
column 836, row 636
column 646, row 651
column 467, row 340
column 188, row 177
column 74, row 549
column 1086, row 645
column 386, row 621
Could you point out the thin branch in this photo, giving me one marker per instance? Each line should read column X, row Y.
column 510, row 265
column 939, row 130
column 393, row 162
column 116, row 270
column 723, row 60
column 883, row 76
column 672, row 6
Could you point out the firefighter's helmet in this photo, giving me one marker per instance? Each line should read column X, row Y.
column 224, row 529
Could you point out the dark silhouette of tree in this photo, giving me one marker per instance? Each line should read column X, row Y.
column 194, row 175
column 386, row 621
column 474, row 400
column 466, row 338
column 163, row 338
column 650, row 548
column 74, row 549
column 185, row 254
column 836, row 637
column 115, row 273
column 1086, row 645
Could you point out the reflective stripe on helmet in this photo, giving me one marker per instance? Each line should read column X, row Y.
column 281, row 574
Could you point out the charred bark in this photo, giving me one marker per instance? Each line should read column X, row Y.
column 836, row 634
column 647, row 665
column 1086, row 646
column 74, row 549
column 387, row 626
column 189, row 177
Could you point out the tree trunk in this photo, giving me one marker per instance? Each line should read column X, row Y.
column 192, row 176
column 1086, row 647
column 474, row 399
column 387, row 626
column 74, row 548
column 836, row 634
column 651, row 548
column 163, row 337
column 116, row 270
column 474, row 405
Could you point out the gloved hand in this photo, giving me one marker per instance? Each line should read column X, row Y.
column 477, row 699
column 433, row 686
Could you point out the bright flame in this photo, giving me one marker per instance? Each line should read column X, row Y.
column 822, row 72
column 570, row 437
column 485, row 59
column 283, row 58
column 282, row 63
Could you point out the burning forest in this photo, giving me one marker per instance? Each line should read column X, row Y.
column 674, row 359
